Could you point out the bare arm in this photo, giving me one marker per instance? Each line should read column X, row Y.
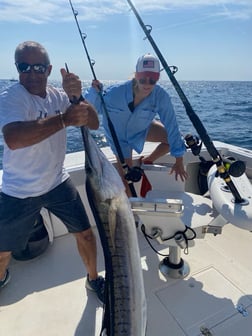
column 178, row 169
column 26, row 133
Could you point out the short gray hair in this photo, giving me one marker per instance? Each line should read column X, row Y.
column 31, row 45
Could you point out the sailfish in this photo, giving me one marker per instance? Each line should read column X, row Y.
column 125, row 312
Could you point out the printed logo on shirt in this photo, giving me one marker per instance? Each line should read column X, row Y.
column 44, row 114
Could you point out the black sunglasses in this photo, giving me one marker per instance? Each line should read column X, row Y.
column 27, row 68
column 147, row 81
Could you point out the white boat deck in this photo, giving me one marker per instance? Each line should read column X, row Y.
column 47, row 296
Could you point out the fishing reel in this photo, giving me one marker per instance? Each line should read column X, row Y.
column 234, row 167
column 193, row 143
column 134, row 174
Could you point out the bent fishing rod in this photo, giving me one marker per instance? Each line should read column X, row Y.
column 131, row 174
column 190, row 112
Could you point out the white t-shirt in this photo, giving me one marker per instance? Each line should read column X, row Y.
column 33, row 170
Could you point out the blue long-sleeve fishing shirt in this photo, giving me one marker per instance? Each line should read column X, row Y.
column 132, row 127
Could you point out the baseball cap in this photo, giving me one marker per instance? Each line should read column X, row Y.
column 148, row 66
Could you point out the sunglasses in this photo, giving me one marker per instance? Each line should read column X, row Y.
column 27, row 68
column 147, row 81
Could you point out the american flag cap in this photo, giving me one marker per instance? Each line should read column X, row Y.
column 148, row 63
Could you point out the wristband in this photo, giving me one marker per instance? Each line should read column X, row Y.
column 62, row 120
column 76, row 101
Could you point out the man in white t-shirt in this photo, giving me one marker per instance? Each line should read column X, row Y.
column 33, row 118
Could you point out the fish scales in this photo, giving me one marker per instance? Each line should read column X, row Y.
column 115, row 222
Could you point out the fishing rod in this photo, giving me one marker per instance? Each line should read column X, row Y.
column 190, row 112
column 131, row 174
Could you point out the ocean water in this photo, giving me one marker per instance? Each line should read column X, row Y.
column 224, row 108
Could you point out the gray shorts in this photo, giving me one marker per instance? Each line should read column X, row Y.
column 17, row 216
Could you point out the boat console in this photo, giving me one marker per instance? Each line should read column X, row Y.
column 175, row 217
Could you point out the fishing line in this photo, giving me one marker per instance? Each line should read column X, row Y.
column 190, row 112
column 131, row 174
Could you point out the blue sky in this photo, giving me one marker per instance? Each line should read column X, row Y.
column 206, row 39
